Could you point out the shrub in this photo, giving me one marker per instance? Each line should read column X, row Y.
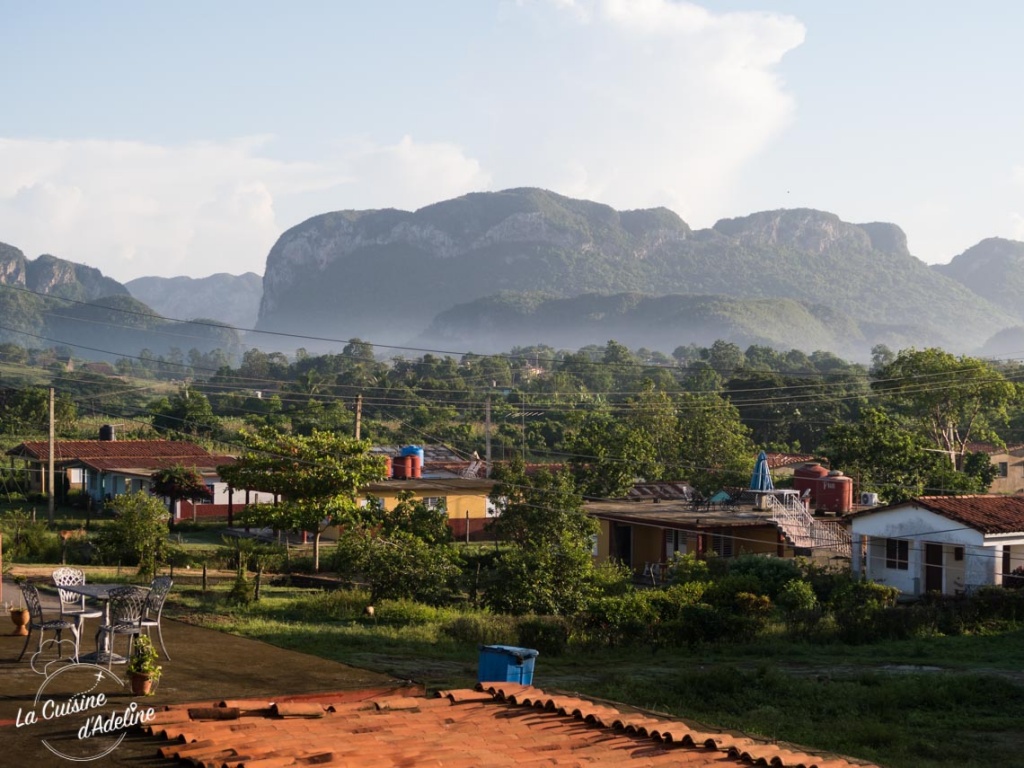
column 686, row 568
column 406, row 612
column 547, row 634
column 618, row 620
column 241, row 590
column 771, row 573
column 482, row 629
column 337, row 605
column 722, row 593
column 856, row 605
column 796, row 595
column 612, row 579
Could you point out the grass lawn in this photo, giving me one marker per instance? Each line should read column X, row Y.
column 941, row 701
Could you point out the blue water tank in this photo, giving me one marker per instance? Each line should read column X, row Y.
column 506, row 664
column 413, row 450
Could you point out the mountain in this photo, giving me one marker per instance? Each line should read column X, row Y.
column 385, row 275
column 230, row 299
column 50, row 301
column 994, row 269
column 499, row 323
column 55, row 277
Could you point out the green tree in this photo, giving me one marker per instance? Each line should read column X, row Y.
column 546, row 566
column 714, row 447
column 188, row 412
column 318, row 478
column 28, row 410
column 177, row 483
column 953, row 400
column 138, row 532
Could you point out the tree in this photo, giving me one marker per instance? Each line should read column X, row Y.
column 953, row 399
column 884, row 456
column 608, row 455
column 546, row 567
column 138, row 532
column 188, row 412
column 318, row 478
column 715, row 450
column 28, row 410
column 177, row 483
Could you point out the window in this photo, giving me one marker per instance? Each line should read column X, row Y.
column 897, row 554
column 958, row 554
column 1004, row 469
column 435, row 502
column 721, row 545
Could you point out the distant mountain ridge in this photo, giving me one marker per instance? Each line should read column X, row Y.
column 993, row 269
column 55, row 277
column 51, row 301
column 230, row 299
column 385, row 275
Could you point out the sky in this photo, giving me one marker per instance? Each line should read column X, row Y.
column 183, row 138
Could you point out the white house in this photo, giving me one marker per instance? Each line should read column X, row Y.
column 947, row 544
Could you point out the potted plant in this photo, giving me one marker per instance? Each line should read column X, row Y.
column 143, row 672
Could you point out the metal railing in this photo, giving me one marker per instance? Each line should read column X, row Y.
column 803, row 531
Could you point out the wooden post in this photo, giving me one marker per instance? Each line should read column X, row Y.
column 359, row 413
column 467, row 526
column 51, row 498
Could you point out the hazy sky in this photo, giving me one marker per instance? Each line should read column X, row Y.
column 183, row 137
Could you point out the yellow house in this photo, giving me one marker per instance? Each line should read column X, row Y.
column 645, row 535
column 464, row 498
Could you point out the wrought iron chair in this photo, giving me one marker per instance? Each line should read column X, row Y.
column 37, row 622
column 126, row 606
column 72, row 605
column 159, row 589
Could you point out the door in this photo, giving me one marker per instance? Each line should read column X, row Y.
column 622, row 546
column 932, row 567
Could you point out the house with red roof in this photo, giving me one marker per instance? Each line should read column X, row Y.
column 946, row 544
column 105, row 468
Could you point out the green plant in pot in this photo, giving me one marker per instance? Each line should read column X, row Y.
column 143, row 672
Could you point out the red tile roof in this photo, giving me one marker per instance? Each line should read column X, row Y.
column 506, row 725
column 990, row 513
column 70, row 450
column 778, row 460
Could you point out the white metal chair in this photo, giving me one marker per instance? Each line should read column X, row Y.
column 72, row 605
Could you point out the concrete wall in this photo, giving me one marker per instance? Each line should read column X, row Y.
column 919, row 527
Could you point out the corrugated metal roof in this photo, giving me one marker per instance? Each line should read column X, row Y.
column 504, row 725
column 666, row 490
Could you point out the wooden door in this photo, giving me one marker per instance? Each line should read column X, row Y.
column 932, row 567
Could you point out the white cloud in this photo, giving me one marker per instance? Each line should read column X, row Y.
column 137, row 209
column 629, row 102
column 644, row 102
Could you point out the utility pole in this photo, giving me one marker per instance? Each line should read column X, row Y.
column 50, row 503
column 359, row 413
column 487, row 435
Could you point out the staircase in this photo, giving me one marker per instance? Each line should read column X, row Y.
column 803, row 531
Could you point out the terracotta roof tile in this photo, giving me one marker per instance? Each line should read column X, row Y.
column 511, row 725
column 985, row 513
column 69, row 450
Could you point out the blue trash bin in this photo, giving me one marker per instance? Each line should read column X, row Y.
column 506, row 664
